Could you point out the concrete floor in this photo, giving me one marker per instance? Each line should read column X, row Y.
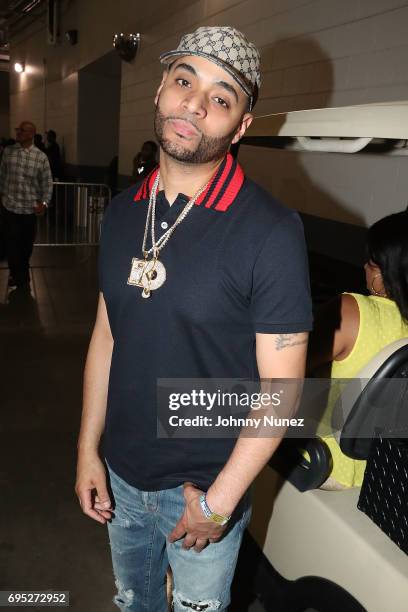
column 45, row 541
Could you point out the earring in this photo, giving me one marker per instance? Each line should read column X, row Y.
column 373, row 290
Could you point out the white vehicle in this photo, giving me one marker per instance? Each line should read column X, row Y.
column 320, row 553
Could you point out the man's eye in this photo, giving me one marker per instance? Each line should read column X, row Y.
column 183, row 82
column 221, row 102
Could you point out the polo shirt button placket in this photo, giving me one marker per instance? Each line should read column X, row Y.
column 161, row 227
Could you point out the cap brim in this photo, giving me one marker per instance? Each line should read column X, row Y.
column 169, row 56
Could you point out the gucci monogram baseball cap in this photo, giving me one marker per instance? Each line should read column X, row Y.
column 226, row 47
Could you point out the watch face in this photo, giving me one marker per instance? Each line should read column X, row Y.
column 212, row 516
column 217, row 518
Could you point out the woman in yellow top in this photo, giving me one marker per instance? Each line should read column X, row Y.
column 352, row 328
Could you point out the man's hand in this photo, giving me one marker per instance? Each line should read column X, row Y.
column 91, row 488
column 40, row 208
column 197, row 528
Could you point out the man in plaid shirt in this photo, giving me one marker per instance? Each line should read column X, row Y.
column 26, row 190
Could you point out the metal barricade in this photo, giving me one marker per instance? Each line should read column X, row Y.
column 74, row 215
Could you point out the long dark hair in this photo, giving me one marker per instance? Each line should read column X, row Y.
column 388, row 248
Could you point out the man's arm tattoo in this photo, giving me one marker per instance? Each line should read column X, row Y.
column 284, row 340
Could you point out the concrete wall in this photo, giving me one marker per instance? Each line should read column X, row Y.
column 315, row 53
column 51, row 107
column 4, row 105
column 98, row 116
column 97, row 142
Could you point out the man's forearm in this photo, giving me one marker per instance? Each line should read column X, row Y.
column 247, row 459
column 96, row 378
column 280, row 358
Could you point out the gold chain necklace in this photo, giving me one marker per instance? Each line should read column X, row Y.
column 148, row 273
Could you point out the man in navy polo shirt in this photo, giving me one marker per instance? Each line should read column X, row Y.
column 203, row 275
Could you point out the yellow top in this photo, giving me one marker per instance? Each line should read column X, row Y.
column 380, row 324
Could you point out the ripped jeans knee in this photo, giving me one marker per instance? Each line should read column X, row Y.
column 182, row 603
column 124, row 597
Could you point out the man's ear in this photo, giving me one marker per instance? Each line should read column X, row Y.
column 243, row 126
column 164, row 77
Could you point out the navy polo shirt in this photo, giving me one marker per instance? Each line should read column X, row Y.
column 235, row 266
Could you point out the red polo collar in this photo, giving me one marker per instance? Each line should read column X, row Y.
column 220, row 193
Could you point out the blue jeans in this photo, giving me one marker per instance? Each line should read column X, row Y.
column 141, row 553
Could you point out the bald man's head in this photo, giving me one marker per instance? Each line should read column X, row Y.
column 25, row 133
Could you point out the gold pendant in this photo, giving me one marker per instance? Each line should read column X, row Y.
column 147, row 273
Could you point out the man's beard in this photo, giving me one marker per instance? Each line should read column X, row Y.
column 209, row 149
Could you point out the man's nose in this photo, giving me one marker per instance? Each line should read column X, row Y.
column 195, row 103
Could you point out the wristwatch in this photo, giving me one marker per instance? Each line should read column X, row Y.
column 213, row 516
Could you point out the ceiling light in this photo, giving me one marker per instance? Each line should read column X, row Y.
column 19, row 67
column 126, row 45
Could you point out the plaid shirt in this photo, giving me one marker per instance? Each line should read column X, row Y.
column 25, row 178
